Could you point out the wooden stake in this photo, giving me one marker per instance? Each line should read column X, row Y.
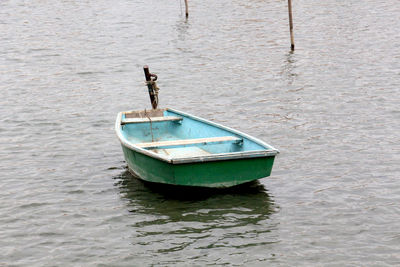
column 187, row 8
column 291, row 25
column 153, row 96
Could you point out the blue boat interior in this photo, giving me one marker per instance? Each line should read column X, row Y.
column 173, row 134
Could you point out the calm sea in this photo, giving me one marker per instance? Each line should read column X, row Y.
column 332, row 107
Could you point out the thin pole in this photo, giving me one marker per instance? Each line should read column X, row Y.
column 187, row 8
column 290, row 25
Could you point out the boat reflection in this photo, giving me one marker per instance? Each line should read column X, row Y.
column 182, row 203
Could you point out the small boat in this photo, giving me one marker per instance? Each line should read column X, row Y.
column 172, row 147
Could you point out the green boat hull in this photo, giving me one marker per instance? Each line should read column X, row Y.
column 215, row 174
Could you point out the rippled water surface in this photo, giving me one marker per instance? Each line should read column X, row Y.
column 331, row 107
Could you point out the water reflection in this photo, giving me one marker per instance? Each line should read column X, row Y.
column 167, row 220
column 288, row 69
column 250, row 202
column 182, row 27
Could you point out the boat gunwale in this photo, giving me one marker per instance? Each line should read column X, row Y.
column 269, row 150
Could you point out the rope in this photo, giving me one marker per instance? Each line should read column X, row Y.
column 151, row 124
column 155, row 90
column 154, row 85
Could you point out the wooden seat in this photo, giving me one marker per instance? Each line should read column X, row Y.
column 190, row 142
column 153, row 119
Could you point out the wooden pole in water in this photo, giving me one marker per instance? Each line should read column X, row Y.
column 148, row 76
column 187, row 8
column 291, row 25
